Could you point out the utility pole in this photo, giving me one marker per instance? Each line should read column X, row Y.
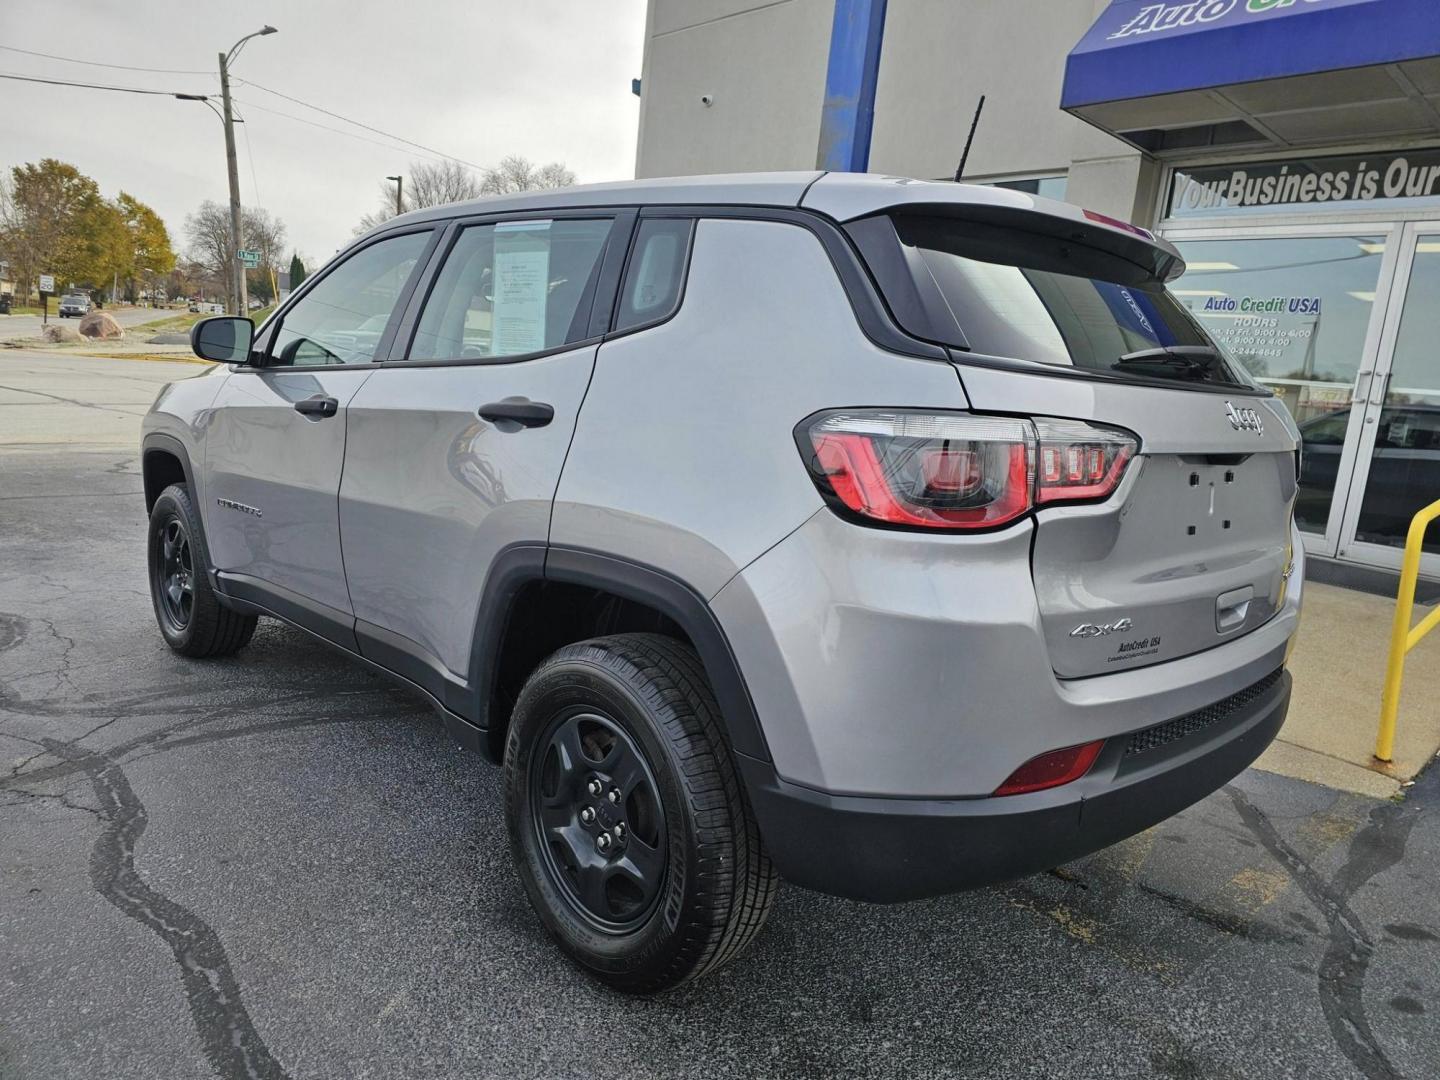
column 238, row 299
column 238, row 295
column 399, row 187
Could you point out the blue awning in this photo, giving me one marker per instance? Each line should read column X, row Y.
column 1286, row 72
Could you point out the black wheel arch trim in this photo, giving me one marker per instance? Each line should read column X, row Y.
column 524, row 564
column 690, row 611
column 158, row 442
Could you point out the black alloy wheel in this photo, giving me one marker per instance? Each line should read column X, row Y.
column 175, row 571
column 631, row 830
column 192, row 618
column 596, row 811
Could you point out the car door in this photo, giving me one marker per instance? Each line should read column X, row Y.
column 275, row 440
column 455, row 446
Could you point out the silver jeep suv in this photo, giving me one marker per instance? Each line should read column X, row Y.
column 890, row 537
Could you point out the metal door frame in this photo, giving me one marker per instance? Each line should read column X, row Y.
column 1409, row 234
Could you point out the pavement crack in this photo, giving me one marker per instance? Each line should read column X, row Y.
column 231, row 1044
column 1342, row 970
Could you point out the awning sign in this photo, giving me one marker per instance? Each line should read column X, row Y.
column 1138, row 19
column 1311, row 183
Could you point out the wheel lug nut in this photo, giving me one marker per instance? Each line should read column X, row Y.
column 613, row 795
column 587, row 816
column 594, row 787
column 602, row 843
column 619, row 831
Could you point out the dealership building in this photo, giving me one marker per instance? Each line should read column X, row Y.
column 1289, row 148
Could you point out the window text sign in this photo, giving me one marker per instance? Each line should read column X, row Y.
column 1306, row 184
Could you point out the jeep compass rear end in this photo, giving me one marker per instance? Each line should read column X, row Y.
column 893, row 538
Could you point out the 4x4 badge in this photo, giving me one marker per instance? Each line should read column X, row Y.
column 1091, row 629
column 1244, row 419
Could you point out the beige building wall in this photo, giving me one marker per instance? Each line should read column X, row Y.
column 763, row 66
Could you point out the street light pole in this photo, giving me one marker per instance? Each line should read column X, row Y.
column 238, row 294
column 399, row 187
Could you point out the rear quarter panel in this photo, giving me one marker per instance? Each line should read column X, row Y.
column 684, row 457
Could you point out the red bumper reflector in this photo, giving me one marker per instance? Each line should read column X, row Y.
column 1052, row 769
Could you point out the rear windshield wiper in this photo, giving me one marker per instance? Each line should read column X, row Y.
column 1194, row 359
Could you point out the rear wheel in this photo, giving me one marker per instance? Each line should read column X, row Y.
column 629, row 825
column 190, row 615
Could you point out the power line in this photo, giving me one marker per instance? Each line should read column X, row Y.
column 333, row 130
column 98, row 63
column 93, row 86
column 367, row 127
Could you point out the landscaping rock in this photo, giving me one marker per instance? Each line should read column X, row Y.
column 100, row 324
column 59, row 333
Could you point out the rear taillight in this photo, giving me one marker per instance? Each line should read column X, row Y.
column 1052, row 769
column 958, row 470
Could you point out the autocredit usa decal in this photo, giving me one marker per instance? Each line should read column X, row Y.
column 1147, row 19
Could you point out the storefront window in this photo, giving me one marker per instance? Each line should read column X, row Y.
column 1405, row 467
column 1294, row 312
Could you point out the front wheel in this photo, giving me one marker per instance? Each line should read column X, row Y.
column 190, row 616
column 630, row 829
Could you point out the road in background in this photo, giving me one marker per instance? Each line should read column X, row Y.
column 280, row 865
column 23, row 327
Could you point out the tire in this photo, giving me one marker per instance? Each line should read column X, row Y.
column 190, row 615
column 687, row 885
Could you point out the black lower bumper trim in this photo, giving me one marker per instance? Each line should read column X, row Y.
column 889, row 850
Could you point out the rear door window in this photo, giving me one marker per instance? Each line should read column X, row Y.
column 655, row 273
column 511, row 289
column 1004, row 292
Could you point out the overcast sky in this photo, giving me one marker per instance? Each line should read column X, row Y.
column 476, row 79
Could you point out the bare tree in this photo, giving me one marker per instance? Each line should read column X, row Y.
column 208, row 233
column 430, row 184
column 516, row 173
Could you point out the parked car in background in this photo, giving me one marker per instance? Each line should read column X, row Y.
column 193, row 307
column 75, row 304
column 890, row 537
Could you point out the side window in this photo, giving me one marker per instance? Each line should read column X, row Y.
column 512, row 288
column 656, row 272
column 342, row 319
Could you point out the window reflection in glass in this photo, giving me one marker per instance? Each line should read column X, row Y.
column 1294, row 312
column 1404, row 474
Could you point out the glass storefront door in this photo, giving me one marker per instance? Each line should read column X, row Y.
column 1344, row 325
column 1398, row 470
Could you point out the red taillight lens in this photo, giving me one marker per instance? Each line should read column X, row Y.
column 1052, row 769
column 925, row 470
column 959, row 470
column 1080, row 461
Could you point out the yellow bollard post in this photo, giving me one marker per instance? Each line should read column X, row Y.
column 1402, row 638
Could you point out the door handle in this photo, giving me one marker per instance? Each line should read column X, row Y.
column 318, row 406
column 1358, row 395
column 1381, row 388
column 520, row 411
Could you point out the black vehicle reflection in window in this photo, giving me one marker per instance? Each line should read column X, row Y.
column 1404, row 474
column 1404, row 471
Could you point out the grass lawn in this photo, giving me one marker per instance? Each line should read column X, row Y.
column 183, row 320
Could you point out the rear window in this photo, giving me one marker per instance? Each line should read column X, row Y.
column 1005, row 292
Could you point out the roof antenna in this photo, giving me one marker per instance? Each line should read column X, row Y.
column 964, row 157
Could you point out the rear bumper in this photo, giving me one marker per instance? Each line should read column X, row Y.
column 886, row 850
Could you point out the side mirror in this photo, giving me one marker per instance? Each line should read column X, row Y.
column 225, row 339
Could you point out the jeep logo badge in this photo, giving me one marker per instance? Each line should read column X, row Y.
column 1244, row 419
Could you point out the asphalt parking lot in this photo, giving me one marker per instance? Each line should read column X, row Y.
column 278, row 865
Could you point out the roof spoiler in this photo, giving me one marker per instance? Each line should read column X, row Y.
column 1151, row 256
